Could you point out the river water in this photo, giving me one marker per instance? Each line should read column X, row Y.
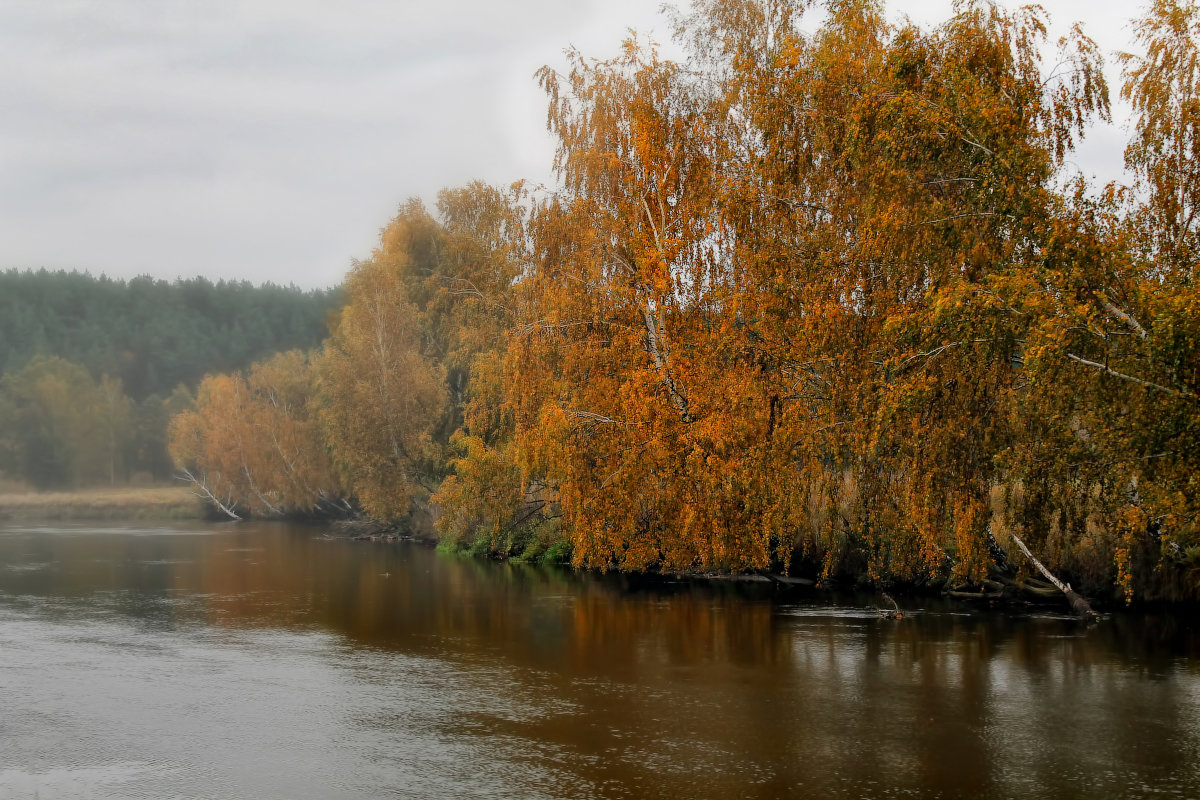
column 268, row 661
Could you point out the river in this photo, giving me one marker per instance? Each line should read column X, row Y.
column 270, row 661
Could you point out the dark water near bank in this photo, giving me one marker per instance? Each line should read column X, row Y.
column 267, row 662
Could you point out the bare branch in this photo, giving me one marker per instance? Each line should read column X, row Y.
column 1148, row 384
column 599, row 418
column 204, row 492
column 1125, row 317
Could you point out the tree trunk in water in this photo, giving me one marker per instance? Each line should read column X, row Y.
column 1079, row 605
column 204, row 492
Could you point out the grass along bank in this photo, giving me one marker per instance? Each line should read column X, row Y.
column 164, row 502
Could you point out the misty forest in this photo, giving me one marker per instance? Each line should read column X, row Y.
column 828, row 303
column 93, row 369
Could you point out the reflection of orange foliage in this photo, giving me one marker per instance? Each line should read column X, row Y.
column 616, row 682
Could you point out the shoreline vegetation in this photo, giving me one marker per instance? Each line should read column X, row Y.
column 826, row 300
column 171, row 503
column 1001, row 591
column 174, row 503
column 106, row 504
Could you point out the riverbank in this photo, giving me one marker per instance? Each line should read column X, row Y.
column 548, row 547
column 160, row 502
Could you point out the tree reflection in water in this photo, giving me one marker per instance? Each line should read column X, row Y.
column 573, row 684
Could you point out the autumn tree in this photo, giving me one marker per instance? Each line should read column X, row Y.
column 1107, row 461
column 421, row 312
column 414, row 361
column 766, row 312
column 463, row 292
column 254, row 443
column 630, row 392
column 905, row 179
column 485, row 253
column 1163, row 85
column 383, row 395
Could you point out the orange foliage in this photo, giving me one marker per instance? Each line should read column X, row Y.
column 382, row 395
column 254, row 442
column 811, row 299
column 817, row 295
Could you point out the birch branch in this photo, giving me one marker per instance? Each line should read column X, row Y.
column 1078, row 604
column 1125, row 317
column 1148, row 384
column 206, row 493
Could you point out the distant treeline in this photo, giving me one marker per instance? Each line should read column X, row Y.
column 150, row 334
column 92, row 369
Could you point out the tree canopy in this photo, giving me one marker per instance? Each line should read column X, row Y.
column 827, row 301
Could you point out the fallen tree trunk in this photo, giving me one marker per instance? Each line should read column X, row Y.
column 985, row 590
column 1079, row 605
column 787, row 580
column 1031, row 586
column 960, row 594
column 894, row 612
column 201, row 484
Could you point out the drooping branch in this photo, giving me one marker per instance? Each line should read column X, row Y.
column 931, row 354
column 599, row 419
column 203, row 491
column 891, row 613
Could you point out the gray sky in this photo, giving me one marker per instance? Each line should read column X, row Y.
column 272, row 139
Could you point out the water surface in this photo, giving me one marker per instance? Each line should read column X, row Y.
column 268, row 661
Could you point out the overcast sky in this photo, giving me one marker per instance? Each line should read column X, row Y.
column 272, row 139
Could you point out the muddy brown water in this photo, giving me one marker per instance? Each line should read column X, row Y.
column 266, row 661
